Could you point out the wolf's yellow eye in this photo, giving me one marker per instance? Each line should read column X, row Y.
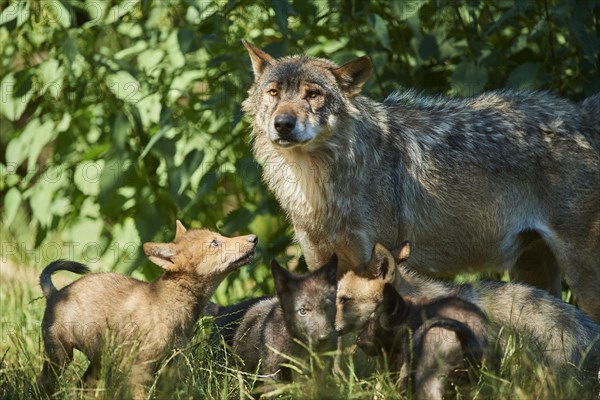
column 273, row 92
column 302, row 312
column 312, row 94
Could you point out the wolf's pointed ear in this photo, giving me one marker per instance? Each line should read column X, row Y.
column 281, row 277
column 393, row 304
column 179, row 229
column 259, row 58
column 402, row 253
column 330, row 270
column 353, row 75
column 160, row 254
column 382, row 264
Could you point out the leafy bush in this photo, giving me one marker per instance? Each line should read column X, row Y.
column 120, row 116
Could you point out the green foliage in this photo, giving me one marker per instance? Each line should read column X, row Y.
column 118, row 117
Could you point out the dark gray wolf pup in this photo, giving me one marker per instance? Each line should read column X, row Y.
column 304, row 309
column 102, row 310
column 430, row 344
column 503, row 180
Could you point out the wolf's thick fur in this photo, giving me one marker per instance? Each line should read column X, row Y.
column 562, row 334
column 503, row 180
column 111, row 312
column 428, row 342
column 304, row 310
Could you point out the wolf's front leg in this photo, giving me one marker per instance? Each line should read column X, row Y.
column 353, row 251
column 315, row 254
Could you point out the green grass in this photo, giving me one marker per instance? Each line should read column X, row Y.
column 207, row 372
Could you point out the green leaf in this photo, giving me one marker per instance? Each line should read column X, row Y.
column 51, row 75
column 125, row 248
column 469, row 79
column 30, row 143
column 149, row 108
column 12, row 201
column 428, row 48
column 40, row 195
column 85, row 235
column 16, row 94
column 405, row 9
column 190, row 165
column 184, row 38
column 119, row 10
column 525, row 76
column 150, row 58
column 87, row 177
column 381, row 30
column 69, row 48
column 281, row 14
column 54, row 11
column 124, row 86
column 15, row 14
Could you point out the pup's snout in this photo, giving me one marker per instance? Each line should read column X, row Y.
column 253, row 238
column 285, row 123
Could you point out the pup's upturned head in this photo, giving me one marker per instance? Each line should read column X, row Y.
column 201, row 251
column 295, row 100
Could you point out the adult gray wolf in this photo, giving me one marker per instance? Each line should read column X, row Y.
column 500, row 181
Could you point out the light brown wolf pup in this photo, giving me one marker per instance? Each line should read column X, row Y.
column 110, row 311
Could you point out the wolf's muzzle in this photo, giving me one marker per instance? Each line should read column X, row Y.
column 285, row 124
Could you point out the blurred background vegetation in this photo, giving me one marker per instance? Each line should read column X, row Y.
column 118, row 117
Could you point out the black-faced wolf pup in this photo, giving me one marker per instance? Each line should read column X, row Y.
column 303, row 310
column 503, row 180
column 110, row 312
column 430, row 344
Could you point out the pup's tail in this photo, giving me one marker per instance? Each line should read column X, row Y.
column 589, row 110
column 472, row 348
column 60, row 265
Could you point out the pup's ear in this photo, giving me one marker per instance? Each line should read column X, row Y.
column 353, row 75
column 260, row 59
column 382, row 264
column 179, row 229
column 402, row 253
column 329, row 270
column 282, row 278
column 160, row 254
column 394, row 305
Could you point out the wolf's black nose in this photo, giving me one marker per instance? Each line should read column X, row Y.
column 252, row 238
column 285, row 123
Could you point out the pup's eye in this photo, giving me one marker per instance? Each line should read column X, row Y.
column 343, row 299
column 273, row 92
column 302, row 312
column 214, row 243
column 313, row 94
